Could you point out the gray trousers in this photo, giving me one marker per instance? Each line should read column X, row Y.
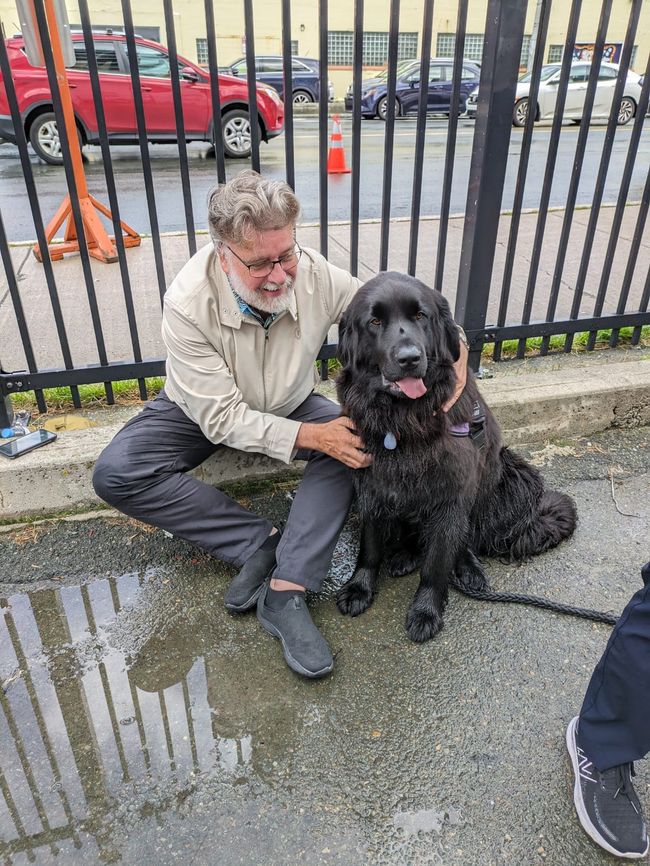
column 143, row 473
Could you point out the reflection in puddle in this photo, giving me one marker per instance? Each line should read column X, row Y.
column 83, row 726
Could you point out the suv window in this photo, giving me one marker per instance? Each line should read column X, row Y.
column 105, row 53
column 298, row 66
column 469, row 74
column 240, row 67
column 437, row 73
column 268, row 64
column 578, row 73
column 151, row 62
column 605, row 73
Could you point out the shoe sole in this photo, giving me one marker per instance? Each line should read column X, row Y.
column 583, row 817
column 247, row 605
column 289, row 659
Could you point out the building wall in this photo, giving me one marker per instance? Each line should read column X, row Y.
column 229, row 17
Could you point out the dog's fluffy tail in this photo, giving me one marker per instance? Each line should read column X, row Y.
column 522, row 518
column 555, row 521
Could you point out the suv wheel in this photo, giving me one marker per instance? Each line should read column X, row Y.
column 520, row 113
column 44, row 138
column 626, row 111
column 382, row 108
column 236, row 126
column 302, row 97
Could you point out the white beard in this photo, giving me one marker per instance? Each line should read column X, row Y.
column 261, row 299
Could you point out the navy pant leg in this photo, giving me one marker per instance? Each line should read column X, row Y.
column 614, row 726
column 143, row 473
column 319, row 509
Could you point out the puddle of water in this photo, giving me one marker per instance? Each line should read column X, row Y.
column 117, row 701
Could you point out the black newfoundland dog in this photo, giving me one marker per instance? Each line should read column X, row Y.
column 442, row 488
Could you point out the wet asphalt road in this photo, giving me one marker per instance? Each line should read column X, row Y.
column 142, row 724
column 50, row 180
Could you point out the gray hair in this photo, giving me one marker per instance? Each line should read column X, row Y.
column 248, row 204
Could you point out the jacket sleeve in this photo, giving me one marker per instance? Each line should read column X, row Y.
column 209, row 394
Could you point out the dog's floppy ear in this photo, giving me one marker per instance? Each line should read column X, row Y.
column 447, row 328
column 348, row 344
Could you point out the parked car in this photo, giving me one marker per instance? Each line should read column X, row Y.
column 382, row 76
column 407, row 94
column 39, row 123
column 576, row 92
column 269, row 69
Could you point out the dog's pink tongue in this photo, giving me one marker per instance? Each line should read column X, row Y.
column 413, row 388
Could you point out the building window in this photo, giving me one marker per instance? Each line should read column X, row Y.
column 202, row 52
column 294, row 47
column 525, row 48
column 555, row 53
column 340, row 47
column 446, row 43
column 633, row 56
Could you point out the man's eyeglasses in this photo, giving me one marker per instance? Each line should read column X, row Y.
column 263, row 269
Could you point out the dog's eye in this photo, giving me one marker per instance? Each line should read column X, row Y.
column 375, row 322
column 420, row 314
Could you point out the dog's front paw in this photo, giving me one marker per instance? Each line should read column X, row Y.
column 357, row 594
column 422, row 625
column 402, row 562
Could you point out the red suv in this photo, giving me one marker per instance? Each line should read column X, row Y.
column 35, row 100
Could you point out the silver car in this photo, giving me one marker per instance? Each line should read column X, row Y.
column 576, row 92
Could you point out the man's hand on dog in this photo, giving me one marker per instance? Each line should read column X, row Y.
column 337, row 438
column 460, row 369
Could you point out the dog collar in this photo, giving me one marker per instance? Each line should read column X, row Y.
column 460, row 429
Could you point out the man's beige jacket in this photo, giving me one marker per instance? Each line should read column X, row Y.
column 235, row 379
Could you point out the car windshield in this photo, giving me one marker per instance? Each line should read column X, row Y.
column 547, row 71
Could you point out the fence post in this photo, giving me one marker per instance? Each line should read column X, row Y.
column 504, row 30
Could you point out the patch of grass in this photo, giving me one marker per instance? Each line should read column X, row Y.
column 126, row 393
column 580, row 340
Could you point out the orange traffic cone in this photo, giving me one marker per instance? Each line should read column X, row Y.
column 336, row 156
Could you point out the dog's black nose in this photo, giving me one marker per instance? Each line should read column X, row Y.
column 408, row 356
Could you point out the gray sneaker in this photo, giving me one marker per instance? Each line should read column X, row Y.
column 606, row 802
column 305, row 649
column 245, row 587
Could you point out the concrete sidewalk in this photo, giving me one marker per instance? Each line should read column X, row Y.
column 146, row 296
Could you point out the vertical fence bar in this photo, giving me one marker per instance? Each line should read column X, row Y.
column 42, row 21
column 322, row 125
column 249, row 24
column 217, row 129
column 450, row 153
column 389, row 141
column 554, row 140
column 622, row 198
column 6, row 413
column 147, row 173
column 572, row 194
column 420, row 133
column 636, row 244
column 180, row 124
column 110, row 186
column 35, row 207
column 608, row 144
column 522, row 171
column 504, row 30
column 643, row 306
column 287, row 78
column 357, row 72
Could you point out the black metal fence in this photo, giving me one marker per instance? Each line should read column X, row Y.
column 484, row 295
